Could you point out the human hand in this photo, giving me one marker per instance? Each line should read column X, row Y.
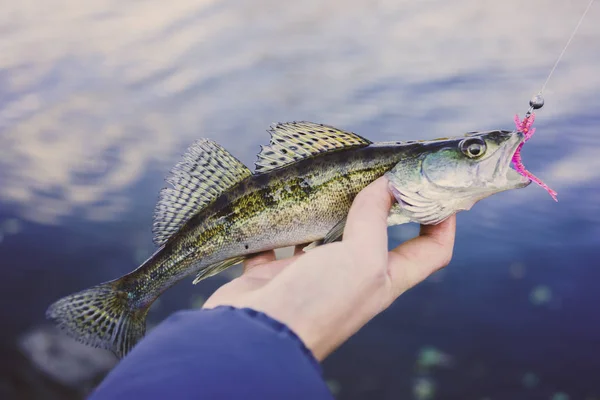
column 327, row 294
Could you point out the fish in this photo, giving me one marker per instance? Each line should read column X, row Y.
column 216, row 213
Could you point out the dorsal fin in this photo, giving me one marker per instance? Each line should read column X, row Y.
column 294, row 141
column 206, row 171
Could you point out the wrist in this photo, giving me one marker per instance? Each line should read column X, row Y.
column 321, row 324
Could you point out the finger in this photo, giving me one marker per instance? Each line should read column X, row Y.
column 414, row 260
column 367, row 220
column 258, row 259
column 442, row 232
column 269, row 269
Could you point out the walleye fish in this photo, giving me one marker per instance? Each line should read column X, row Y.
column 217, row 212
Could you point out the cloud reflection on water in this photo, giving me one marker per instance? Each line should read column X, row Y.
column 97, row 95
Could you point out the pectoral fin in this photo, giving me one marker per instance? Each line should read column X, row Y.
column 214, row 269
column 334, row 235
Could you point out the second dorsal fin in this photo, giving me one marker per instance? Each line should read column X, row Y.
column 206, row 171
column 294, row 141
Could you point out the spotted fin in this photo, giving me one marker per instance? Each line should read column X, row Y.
column 214, row 269
column 295, row 141
column 206, row 171
column 103, row 316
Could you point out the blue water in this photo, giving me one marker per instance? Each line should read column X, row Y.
column 98, row 100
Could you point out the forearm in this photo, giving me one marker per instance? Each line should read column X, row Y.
column 223, row 353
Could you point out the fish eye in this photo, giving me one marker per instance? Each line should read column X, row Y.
column 473, row 147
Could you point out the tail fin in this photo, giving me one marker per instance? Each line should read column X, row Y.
column 102, row 316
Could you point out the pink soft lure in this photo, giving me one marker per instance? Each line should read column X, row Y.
column 525, row 127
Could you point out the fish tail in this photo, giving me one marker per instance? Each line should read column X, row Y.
column 103, row 316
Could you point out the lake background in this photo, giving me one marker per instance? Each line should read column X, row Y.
column 99, row 99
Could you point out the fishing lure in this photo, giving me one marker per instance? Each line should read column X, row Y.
column 524, row 126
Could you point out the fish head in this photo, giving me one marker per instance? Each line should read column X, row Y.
column 441, row 177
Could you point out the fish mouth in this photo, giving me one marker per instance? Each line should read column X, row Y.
column 513, row 177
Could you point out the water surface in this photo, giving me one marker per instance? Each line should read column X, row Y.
column 98, row 99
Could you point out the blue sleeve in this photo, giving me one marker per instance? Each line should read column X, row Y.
column 222, row 353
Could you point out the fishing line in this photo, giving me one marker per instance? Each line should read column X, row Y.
column 567, row 45
column 537, row 101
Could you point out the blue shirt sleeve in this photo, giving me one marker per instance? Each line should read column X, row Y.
column 222, row 353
